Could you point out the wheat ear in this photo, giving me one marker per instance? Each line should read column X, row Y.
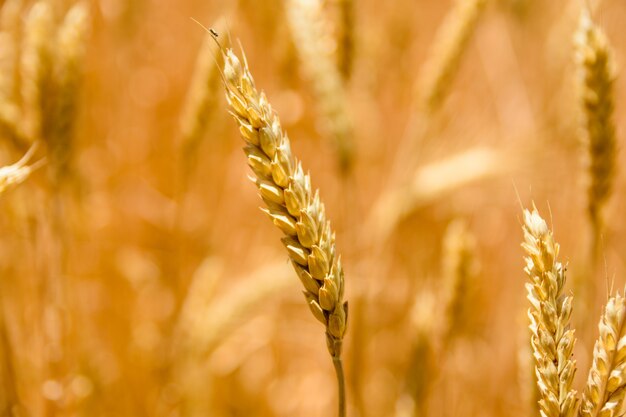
column 200, row 101
column 10, row 29
column 552, row 340
column 36, row 70
column 459, row 266
column 292, row 205
column 346, row 38
column 310, row 30
column 606, row 384
column 446, row 52
column 205, row 322
column 69, row 57
column 594, row 58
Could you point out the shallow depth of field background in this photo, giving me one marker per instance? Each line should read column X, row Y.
column 120, row 324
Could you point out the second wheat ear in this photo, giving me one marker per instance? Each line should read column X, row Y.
column 292, row 204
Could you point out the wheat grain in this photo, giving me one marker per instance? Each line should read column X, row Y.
column 606, row 384
column 311, row 33
column 551, row 338
column 596, row 77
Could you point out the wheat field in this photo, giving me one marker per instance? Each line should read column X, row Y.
column 312, row 208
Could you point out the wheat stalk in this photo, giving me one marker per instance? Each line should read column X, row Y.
column 606, row 384
column 552, row 340
column 310, row 30
column 292, row 205
column 596, row 78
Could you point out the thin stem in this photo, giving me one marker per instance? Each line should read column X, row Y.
column 341, row 385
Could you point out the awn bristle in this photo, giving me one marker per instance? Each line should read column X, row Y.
column 552, row 340
column 606, row 384
column 447, row 51
column 311, row 33
column 291, row 203
column 36, row 67
column 594, row 58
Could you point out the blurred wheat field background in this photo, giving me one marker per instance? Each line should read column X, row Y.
column 138, row 276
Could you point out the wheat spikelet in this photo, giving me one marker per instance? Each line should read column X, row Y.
column 345, row 38
column 446, row 52
column 309, row 28
column 36, row 67
column 596, row 77
column 69, row 54
column 606, row 384
column 551, row 338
